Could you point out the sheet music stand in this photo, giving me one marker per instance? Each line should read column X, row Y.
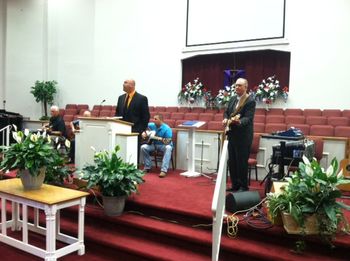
column 191, row 126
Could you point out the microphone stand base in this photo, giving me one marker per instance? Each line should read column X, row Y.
column 190, row 174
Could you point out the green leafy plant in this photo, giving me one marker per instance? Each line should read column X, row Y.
column 313, row 190
column 57, row 171
column 44, row 91
column 112, row 175
column 32, row 151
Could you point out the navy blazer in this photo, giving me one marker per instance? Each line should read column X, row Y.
column 137, row 112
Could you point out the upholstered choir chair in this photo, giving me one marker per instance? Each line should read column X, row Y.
column 252, row 161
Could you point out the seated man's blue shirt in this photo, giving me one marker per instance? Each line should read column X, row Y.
column 164, row 131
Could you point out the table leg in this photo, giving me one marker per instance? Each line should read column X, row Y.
column 3, row 217
column 81, row 251
column 50, row 212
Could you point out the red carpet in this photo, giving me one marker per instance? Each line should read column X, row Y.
column 157, row 225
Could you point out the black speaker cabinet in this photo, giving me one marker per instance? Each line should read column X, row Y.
column 236, row 201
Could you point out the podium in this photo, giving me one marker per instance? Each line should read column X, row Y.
column 191, row 126
column 104, row 134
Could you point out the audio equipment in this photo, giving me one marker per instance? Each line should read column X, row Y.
column 244, row 200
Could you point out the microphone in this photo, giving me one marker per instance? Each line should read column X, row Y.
column 102, row 101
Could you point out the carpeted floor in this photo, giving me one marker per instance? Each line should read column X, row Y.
column 170, row 219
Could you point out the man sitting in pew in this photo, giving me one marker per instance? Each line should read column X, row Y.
column 56, row 124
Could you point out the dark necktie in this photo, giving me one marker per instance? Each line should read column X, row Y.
column 126, row 103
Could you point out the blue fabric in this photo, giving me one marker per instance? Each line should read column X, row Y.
column 163, row 131
column 76, row 123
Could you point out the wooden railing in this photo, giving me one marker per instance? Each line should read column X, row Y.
column 5, row 135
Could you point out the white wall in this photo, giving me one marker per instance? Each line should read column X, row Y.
column 24, row 54
column 319, row 35
column 2, row 49
column 91, row 46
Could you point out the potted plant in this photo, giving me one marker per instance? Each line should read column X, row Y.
column 44, row 91
column 114, row 178
column 31, row 154
column 308, row 203
column 57, row 172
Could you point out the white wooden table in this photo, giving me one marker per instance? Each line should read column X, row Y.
column 50, row 199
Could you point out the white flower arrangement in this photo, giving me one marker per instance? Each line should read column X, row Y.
column 269, row 90
column 224, row 96
column 192, row 92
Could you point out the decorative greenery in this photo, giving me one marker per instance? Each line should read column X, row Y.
column 112, row 175
column 56, row 172
column 224, row 96
column 312, row 190
column 192, row 92
column 44, row 92
column 31, row 151
column 269, row 90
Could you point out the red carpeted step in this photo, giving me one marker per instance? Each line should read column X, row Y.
column 247, row 245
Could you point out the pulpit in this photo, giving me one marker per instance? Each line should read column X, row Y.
column 97, row 134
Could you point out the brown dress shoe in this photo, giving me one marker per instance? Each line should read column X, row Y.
column 162, row 174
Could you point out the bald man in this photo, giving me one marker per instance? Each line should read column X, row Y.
column 133, row 107
column 238, row 117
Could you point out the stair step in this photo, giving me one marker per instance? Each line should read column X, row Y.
column 194, row 238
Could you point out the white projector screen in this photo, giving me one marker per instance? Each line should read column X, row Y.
column 230, row 21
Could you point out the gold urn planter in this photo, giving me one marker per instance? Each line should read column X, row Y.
column 292, row 227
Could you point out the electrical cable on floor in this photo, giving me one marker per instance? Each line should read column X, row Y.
column 233, row 220
column 257, row 219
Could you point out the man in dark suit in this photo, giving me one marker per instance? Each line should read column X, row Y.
column 133, row 107
column 238, row 118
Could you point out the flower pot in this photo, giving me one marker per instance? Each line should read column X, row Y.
column 291, row 226
column 113, row 206
column 31, row 182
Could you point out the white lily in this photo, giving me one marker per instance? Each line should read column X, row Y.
column 308, row 170
column 16, row 137
column 67, row 143
column 15, row 127
column 340, row 174
column 329, row 171
column 26, row 132
column 34, row 138
column 306, row 160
